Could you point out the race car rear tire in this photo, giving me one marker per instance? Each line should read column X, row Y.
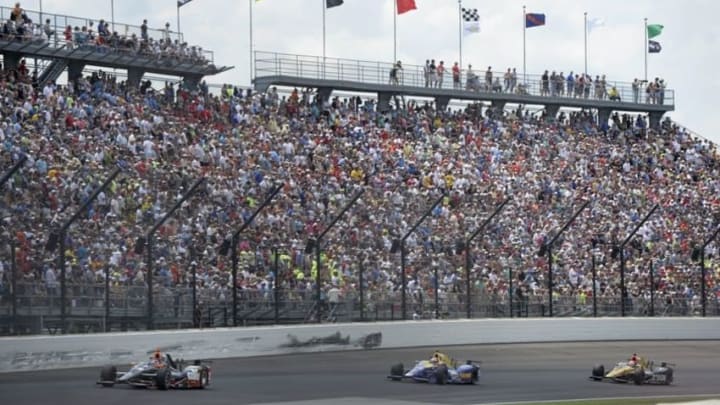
column 397, row 371
column 638, row 377
column 598, row 371
column 669, row 377
column 442, row 374
column 162, row 379
column 204, row 379
column 108, row 374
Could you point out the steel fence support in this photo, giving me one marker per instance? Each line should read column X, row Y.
column 318, row 246
column 548, row 248
column 468, row 241
column 236, row 239
column 623, row 291
column 402, row 256
column 149, row 242
column 63, row 235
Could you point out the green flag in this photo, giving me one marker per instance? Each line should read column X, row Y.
column 654, row 30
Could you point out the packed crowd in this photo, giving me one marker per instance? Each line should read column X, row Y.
column 102, row 38
column 244, row 144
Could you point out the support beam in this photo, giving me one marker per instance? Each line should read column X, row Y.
column 324, row 94
column 552, row 112
column 655, row 117
column 383, row 101
column 11, row 60
column 441, row 103
column 134, row 77
column 603, row 116
column 75, row 70
column 497, row 104
column 192, row 81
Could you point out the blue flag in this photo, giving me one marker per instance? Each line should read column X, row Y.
column 534, row 20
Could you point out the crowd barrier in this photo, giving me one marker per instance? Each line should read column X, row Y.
column 68, row 351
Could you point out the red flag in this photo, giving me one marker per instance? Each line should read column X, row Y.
column 403, row 6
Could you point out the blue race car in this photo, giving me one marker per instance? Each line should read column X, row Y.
column 440, row 369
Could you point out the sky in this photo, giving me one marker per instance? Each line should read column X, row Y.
column 363, row 29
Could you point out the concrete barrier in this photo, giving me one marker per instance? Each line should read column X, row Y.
column 67, row 351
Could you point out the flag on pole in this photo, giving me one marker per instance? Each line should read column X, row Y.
column 595, row 23
column 471, row 21
column 654, row 46
column 333, row 3
column 654, row 30
column 534, row 20
column 183, row 2
column 403, row 6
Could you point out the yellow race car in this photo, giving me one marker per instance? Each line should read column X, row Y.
column 637, row 370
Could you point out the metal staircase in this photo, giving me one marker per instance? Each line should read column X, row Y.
column 52, row 72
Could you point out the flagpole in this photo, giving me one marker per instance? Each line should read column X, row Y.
column 524, row 54
column 324, row 9
column 460, row 30
column 250, row 4
column 178, row 19
column 645, row 48
column 394, row 31
column 586, row 35
column 112, row 15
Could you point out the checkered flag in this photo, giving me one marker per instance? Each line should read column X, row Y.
column 470, row 20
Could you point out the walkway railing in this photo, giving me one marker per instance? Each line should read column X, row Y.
column 373, row 72
column 59, row 22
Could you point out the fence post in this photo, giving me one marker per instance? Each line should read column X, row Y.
column 107, row 298
column 594, row 289
column 13, row 284
column 652, row 289
column 362, row 291
column 276, row 284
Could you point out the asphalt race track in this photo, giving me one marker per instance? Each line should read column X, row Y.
column 516, row 372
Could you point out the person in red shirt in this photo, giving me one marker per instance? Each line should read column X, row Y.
column 456, row 76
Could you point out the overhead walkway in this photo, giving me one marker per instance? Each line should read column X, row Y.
column 329, row 74
column 60, row 54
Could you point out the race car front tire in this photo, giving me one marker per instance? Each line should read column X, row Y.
column 162, row 379
column 638, row 377
column 442, row 374
column 108, row 374
column 598, row 372
column 397, row 371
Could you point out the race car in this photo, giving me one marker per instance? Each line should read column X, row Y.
column 637, row 370
column 161, row 372
column 440, row 369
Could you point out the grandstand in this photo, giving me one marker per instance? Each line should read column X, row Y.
column 126, row 207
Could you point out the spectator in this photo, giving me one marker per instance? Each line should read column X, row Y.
column 456, row 76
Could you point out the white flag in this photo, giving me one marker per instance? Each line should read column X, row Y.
column 470, row 20
column 594, row 23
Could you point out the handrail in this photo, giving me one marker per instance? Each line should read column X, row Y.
column 58, row 23
column 376, row 72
